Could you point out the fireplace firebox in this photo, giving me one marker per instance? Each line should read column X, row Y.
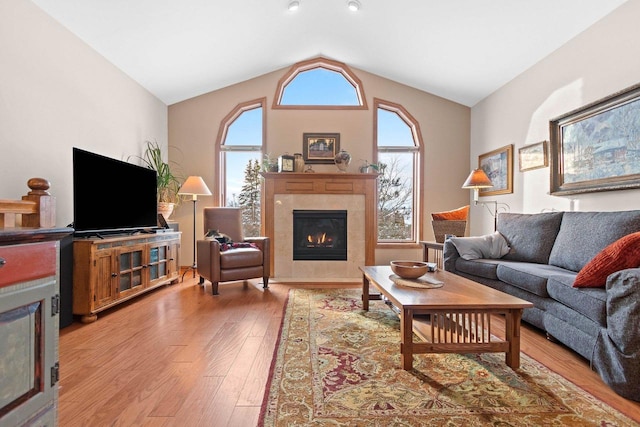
column 320, row 235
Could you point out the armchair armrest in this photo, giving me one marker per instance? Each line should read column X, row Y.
column 264, row 243
column 208, row 259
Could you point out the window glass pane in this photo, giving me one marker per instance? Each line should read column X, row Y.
column 395, row 196
column 393, row 131
column 242, row 156
column 319, row 86
column 246, row 129
column 236, row 165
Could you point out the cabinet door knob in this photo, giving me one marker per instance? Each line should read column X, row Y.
column 2, row 262
column 113, row 274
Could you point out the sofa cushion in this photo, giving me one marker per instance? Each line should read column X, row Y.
column 590, row 302
column 530, row 236
column 240, row 258
column 622, row 254
column 488, row 246
column 485, row 268
column 583, row 234
column 529, row 276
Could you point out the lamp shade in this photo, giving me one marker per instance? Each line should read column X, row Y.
column 194, row 186
column 477, row 179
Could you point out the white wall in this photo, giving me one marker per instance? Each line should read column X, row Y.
column 602, row 60
column 57, row 93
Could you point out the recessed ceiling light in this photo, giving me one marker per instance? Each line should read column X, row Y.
column 353, row 5
column 294, row 5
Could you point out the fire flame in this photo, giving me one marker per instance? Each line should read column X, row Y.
column 319, row 238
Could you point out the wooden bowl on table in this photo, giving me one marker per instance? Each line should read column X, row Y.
column 409, row 269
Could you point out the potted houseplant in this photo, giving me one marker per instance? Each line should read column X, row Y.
column 168, row 183
column 367, row 167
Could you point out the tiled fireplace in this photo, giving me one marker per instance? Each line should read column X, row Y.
column 327, row 195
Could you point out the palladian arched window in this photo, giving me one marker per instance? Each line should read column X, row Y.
column 320, row 83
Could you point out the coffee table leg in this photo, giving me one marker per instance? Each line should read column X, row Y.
column 406, row 337
column 365, row 293
column 512, row 335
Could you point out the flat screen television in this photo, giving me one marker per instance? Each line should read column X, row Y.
column 111, row 196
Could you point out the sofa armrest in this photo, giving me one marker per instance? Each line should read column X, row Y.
column 264, row 243
column 616, row 355
column 623, row 309
column 450, row 255
column 208, row 259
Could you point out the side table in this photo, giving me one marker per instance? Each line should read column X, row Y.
column 432, row 248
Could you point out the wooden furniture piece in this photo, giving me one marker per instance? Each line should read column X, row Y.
column 435, row 248
column 108, row 271
column 218, row 264
column 459, row 315
column 37, row 208
column 29, row 308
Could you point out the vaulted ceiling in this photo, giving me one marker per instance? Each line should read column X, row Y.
column 462, row 50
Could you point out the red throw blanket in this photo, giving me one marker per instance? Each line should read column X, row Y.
column 227, row 246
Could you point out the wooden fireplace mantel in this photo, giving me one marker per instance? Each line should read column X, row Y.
column 322, row 183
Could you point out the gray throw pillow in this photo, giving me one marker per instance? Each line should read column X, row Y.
column 490, row 246
column 530, row 236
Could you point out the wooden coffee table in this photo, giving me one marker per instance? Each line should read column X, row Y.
column 455, row 318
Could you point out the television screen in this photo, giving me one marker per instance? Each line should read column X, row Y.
column 111, row 195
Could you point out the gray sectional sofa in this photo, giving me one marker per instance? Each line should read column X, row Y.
column 546, row 252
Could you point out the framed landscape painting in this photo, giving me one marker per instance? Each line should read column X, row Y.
column 597, row 147
column 320, row 148
column 498, row 165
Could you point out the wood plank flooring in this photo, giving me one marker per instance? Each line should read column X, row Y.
column 179, row 356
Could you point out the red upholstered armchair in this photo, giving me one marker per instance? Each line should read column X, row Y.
column 217, row 264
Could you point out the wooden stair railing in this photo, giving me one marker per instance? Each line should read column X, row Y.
column 37, row 208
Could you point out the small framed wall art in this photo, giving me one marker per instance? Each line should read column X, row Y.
column 498, row 165
column 534, row 156
column 320, row 148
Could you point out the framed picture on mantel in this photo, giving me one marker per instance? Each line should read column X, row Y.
column 320, row 148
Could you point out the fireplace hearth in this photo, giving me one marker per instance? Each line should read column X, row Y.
column 320, row 235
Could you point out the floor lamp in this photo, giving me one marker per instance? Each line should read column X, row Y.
column 476, row 180
column 194, row 186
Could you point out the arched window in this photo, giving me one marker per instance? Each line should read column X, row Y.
column 320, row 84
column 399, row 143
column 239, row 151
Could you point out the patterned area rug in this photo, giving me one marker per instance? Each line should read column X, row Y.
column 337, row 365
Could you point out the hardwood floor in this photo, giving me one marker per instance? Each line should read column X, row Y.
column 179, row 356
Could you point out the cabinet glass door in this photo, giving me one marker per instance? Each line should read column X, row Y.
column 131, row 268
column 158, row 262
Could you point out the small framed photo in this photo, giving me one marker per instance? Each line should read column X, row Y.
column 534, row 156
column 320, row 148
column 498, row 165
